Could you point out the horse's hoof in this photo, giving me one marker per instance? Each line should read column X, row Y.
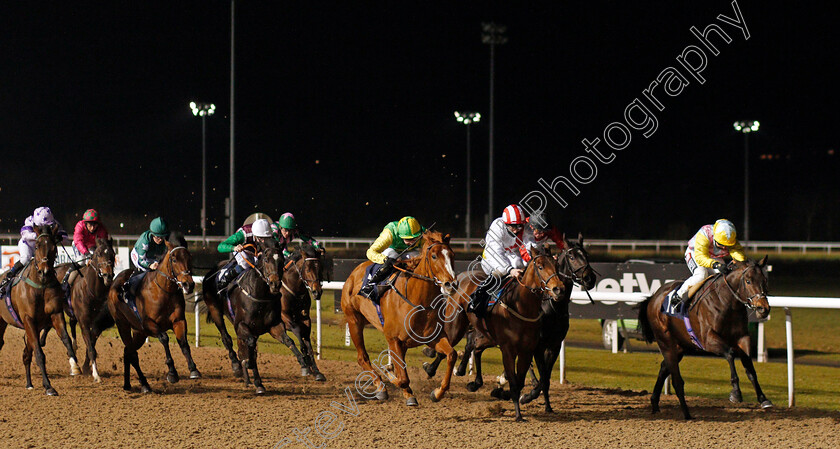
column 30, row 387
column 127, row 387
column 382, row 395
column 172, row 378
column 525, row 398
column 237, row 371
column 548, row 409
column 460, row 372
column 434, row 395
column 766, row 404
column 735, row 397
column 304, row 372
column 429, row 369
column 519, row 419
column 429, row 352
column 411, row 402
column 320, row 377
column 145, row 389
column 194, row 374
column 260, row 390
column 51, row 392
column 497, row 393
column 473, row 387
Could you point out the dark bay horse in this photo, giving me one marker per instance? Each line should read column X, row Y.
column 573, row 268
column 35, row 304
column 514, row 324
column 411, row 312
column 160, row 304
column 718, row 317
column 301, row 281
column 88, row 293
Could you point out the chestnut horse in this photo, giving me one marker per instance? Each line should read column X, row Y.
column 514, row 324
column 36, row 303
column 87, row 295
column 411, row 310
column 160, row 304
column 255, row 309
column 301, row 282
column 718, row 317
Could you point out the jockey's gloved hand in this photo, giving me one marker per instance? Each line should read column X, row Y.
column 388, row 264
column 720, row 267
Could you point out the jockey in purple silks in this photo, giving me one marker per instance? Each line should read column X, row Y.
column 41, row 217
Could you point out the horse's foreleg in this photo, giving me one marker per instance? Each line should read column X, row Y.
column 179, row 327
column 72, row 323
column 478, row 382
column 735, row 395
column 242, row 335
column 401, row 380
column 90, row 352
column 468, row 353
column 32, row 339
column 431, row 368
column 43, row 340
column 279, row 333
column 444, row 347
column 171, row 377
column 750, row 369
column 539, row 361
column 251, row 344
column 512, row 373
column 27, row 362
column 218, row 318
column 59, row 326
column 303, row 332
column 356, row 326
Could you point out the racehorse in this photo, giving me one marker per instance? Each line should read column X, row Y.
column 36, row 303
column 514, row 324
column 718, row 319
column 411, row 314
column 301, row 281
column 573, row 267
column 159, row 302
column 254, row 307
column 87, row 295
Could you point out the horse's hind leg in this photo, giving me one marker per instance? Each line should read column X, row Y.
column 303, row 331
column 750, row 369
column 478, row 382
column 735, row 396
column 43, row 340
column 179, row 327
column 398, row 349
column 468, row 353
column 281, row 335
column 72, row 323
column 657, row 389
column 61, row 329
column 672, row 359
column 172, row 377
column 431, row 368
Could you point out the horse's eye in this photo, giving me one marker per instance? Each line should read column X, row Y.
column 749, row 282
column 539, row 267
column 434, row 257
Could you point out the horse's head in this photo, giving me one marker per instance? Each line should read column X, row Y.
column 574, row 263
column 752, row 285
column 541, row 274
column 103, row 260
column 177, row 265
column 440, row 261
column 270, row 267
column 310, row 264
column 45, row 250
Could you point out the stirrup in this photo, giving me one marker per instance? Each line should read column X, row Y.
column 676, row 300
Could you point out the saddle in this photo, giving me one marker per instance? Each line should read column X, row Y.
column 381, row 287
column 696, row 287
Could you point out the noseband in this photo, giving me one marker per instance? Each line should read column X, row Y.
column 749, row 303
column 171, row 276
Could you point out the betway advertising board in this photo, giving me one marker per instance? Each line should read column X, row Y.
column 10, row 255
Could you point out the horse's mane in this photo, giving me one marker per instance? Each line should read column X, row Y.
column 429, row 239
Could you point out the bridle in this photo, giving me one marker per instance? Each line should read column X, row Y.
column 574, row 275
column 306, row 282
column 171, row 276
column 46, row 259
column 433, row 279
column 749, row 303
column 544, row 289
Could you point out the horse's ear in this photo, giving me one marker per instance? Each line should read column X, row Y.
column 110, row 242
column 763, row 262
column 580, row 238
column 446, row 239
column 547, row 250
column 169, row 245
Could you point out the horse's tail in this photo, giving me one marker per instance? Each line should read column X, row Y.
column 103, row 321
column 644, row 321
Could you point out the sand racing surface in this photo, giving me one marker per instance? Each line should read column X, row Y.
column 217, row 411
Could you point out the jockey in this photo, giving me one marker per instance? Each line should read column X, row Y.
column 286, row 230
column 398, row 240
column 705, row 253
column 539, row 231
column 151, row 246
column 501, row 256
column 257, row 233
column 42, row 216
column 87, row 230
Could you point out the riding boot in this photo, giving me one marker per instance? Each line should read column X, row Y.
column 228, row 277
column 478, row 298
column 130, row 286
column 676, row 299
column 381, row 274
column 9, row 276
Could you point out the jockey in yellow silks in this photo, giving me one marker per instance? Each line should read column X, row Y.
column 705, row 254
column 398, row 240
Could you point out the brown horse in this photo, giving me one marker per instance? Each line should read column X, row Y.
column 301, row 282
column 36, row 303
column 514, row 324
column 160, row 304
column 411, row 310
column 88, row 290
column 718, row 317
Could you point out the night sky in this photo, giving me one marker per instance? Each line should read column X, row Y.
column 344, row 113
